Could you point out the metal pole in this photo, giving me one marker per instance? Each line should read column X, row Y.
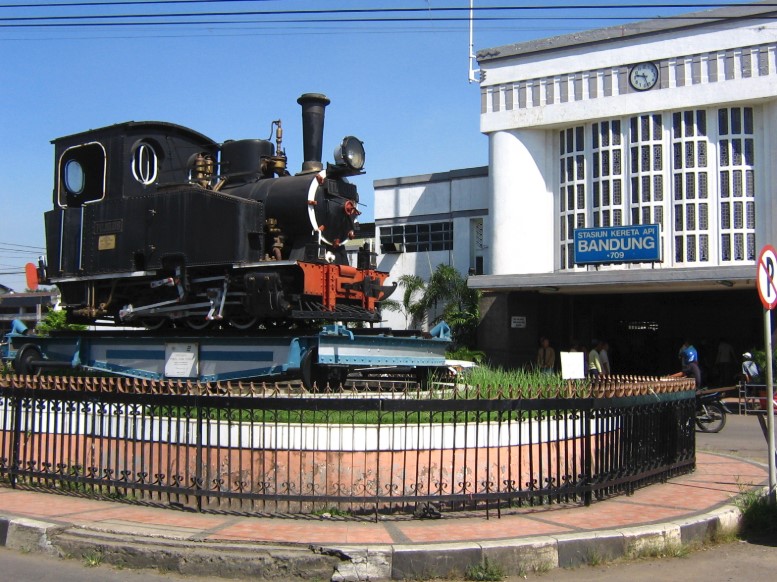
column 770, row 404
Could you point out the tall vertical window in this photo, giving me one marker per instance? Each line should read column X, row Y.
column 572, row 192
column 607, row 173
column 646, row 151
column 691, row 202
column 476, row 246
column 737, row 184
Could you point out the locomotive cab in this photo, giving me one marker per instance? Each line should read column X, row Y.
column 155, row 224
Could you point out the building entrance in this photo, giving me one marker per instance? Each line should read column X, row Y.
column 645, row 331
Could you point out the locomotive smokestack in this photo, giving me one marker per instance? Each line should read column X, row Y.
column 313, row 105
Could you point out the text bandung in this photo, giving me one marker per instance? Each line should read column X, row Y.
column 615, row 244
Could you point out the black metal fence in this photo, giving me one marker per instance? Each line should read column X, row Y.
column 254, row 448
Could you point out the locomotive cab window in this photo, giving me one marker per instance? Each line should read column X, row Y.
column 81, row 175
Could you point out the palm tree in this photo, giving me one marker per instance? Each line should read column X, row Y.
column 448, row 295
column 411, row 305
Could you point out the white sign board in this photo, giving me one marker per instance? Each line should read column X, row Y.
column 518, row 321
column 572, row 365
column 181, row 360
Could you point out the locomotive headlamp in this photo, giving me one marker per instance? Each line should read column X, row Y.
column 350, row 153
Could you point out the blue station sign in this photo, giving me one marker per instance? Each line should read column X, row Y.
column 618, row 244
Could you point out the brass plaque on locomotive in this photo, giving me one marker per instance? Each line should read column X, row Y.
column 106, row 242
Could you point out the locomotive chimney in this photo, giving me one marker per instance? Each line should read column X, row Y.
column 313, row 105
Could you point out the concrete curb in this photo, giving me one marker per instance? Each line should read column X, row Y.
column 351, row 563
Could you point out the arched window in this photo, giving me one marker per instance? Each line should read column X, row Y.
column 81, row 175
column 145, row 163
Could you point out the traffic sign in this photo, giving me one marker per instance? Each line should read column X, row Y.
column 767, row 269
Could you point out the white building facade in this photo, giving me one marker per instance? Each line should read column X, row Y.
column 669, row 123
column 428, row 220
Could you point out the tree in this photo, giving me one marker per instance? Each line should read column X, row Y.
column 56, row 319
column 411, row 306
column 448, row 295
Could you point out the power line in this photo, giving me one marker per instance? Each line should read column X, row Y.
column 124, row 3
column 355, row 21
column 7, row 244
column 427, row 9
column 353, row 11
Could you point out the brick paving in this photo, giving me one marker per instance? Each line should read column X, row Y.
column 716, row 480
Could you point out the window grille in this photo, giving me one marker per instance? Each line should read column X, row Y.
column 413, row 238
column 607, row 173
column 691, row 194
column 572, row 190
column 736, row 162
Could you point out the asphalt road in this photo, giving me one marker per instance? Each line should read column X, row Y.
column 742, row 437
column 21, row 567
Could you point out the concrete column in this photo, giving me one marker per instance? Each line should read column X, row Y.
column 766, row 181
column 521, row 231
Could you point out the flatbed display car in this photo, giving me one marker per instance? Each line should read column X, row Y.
column 318, row 358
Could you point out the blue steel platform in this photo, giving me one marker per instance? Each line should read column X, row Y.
column 315, row 357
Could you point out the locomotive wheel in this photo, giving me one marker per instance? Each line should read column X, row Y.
column 153, row 323
column 197, row 323
column 243, row 323
column 317, row 377
column 22, row 363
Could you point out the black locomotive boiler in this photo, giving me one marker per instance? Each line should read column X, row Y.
column 155, row 224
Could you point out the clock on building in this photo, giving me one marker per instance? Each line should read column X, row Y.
column 643, row 76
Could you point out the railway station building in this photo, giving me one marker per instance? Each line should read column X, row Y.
column 630, row 188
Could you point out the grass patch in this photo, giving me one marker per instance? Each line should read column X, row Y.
column 594, row 557
column 542, row 567
column 331, row 512
column 667, row 550
column 485, row 571
column 93, row 559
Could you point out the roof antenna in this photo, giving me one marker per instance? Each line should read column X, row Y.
column 473, row 73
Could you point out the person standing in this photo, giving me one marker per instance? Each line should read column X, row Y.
column 750, row 371
column 546, row 357
column 604, row 358
column 594, row 361
column 724, row 362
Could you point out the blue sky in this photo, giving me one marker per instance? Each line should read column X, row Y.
column 401, row 87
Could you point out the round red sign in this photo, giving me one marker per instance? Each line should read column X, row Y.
column 767, row 266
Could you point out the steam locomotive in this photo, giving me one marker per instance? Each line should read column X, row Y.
column 157, row 225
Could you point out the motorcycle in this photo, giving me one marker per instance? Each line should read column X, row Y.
column 710, row 412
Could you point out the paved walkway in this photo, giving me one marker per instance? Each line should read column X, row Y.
column 690, row 506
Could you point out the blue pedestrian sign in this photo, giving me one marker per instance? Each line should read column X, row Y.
column 640, row 243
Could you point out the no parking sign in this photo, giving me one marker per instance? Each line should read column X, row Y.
column 767, row 265
column 767, row 291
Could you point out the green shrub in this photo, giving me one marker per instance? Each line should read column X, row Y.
column 759, row 516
